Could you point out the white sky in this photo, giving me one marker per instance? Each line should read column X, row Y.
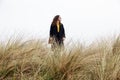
column 83, row 19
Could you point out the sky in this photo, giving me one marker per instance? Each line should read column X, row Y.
column 84, row 20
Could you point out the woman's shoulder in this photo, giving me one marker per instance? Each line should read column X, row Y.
column 52, row 25
column 61, row 24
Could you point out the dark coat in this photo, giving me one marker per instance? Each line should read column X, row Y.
column 54, row 33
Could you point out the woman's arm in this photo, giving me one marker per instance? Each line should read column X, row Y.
column 51, row 31
column 63, row 31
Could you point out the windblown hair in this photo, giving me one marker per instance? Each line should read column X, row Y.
column 55, row 20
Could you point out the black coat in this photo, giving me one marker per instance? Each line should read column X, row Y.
column 54, row 33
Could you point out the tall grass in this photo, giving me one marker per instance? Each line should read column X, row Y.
column 33, row 60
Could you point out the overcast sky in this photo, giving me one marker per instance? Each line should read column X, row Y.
column 82, row 19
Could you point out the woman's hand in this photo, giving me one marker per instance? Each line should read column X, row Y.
column 50, row 40
column 63, row 38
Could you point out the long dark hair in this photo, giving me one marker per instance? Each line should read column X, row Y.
column 55, row 20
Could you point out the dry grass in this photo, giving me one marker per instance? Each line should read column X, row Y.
column 33, row 60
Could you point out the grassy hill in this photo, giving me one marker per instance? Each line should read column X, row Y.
column 33, row 60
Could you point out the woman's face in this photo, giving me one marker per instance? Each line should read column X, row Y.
column 59, row 19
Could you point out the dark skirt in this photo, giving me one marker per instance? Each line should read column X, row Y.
column 57, row 43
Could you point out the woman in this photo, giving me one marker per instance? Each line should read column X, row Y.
column 57, row 32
